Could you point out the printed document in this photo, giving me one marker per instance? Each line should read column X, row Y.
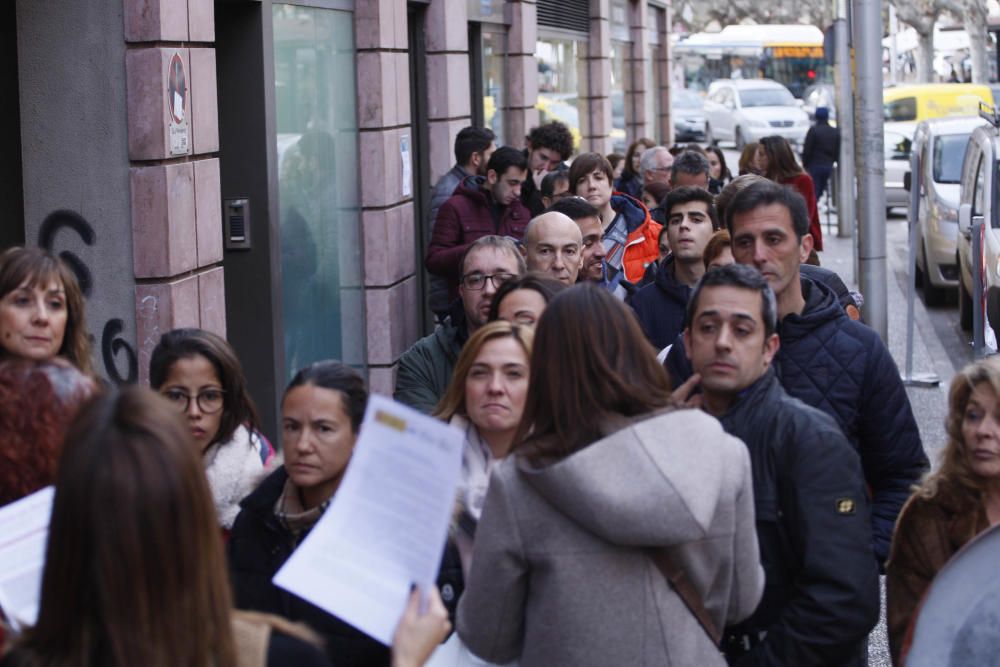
column 24, row 529
column 386, row 527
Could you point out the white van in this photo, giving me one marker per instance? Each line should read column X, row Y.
column 941, row 144
column 979, row 190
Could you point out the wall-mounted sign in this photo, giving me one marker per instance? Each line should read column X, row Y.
column 179, row 130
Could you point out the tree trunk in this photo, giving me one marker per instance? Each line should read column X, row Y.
column 925, row 57
column 975, row 12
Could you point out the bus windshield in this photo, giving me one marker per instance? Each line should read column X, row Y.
column 766, row 97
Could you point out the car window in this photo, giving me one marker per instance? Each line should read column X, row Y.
column 685, row 99
column 949, row 150
column 901, row 109
column 766, row 97
column 979, row 194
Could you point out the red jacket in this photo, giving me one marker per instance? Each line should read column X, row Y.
column 465, row 217
column 803, row 183
column 642, row 243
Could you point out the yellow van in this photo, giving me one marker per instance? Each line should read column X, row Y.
column 917, row 102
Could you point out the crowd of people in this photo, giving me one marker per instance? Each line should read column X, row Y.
column 682, row 446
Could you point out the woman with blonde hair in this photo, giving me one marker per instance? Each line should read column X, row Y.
column 952, row 505
column 486, row 400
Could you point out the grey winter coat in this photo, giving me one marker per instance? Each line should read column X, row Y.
column 559, row 575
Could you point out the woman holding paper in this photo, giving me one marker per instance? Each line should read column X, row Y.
column 485, row 400
column 321, row 413
column 134, row 568
column 605, row 476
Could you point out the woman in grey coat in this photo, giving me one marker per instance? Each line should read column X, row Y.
column 603, row 472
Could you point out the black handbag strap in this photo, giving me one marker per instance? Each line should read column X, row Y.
column 675, row 576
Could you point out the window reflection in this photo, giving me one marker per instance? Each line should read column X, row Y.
column 494, row 95
column 317, row 147
column 562, row 83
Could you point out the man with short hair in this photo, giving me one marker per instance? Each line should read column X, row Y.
column 690, row 168
column 655, row 164
column 473, row 148
column 629, row 233
column 827, row 360
column 588, row 220
column 821, row 597
column 660, row 305
column 481, row 206
column 552, row 246
column 555, row 186
column 549, row 146
column 425, row 369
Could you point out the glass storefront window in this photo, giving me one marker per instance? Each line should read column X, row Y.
column 562, row 83
column 317, row 142
column 494, row 95
column 619, row 72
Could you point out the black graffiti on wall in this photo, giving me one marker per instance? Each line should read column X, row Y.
column 113, row 346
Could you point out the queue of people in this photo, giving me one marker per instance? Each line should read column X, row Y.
column 680, row 446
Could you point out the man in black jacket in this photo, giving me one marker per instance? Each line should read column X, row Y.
column 821, row 150
column 827, row 360
column 821, row 596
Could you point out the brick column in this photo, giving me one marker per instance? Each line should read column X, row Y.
column 666, row 65
column 449, row 108
column 522, row 71
column 595, row 116
column 391, row 298
column 175, row 193
column 638, row 63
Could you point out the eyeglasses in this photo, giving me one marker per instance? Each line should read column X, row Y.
column 477, row 281
column 209, row 401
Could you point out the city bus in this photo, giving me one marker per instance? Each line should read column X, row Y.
column 789, row 54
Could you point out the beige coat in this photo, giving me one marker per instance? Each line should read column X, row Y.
column 559, row 576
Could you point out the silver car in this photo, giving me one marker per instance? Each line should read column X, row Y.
column 688, row 113
column 746, row 110
column 940, row 145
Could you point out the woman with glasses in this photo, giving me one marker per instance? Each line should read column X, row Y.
column 200, row 375
column 522, row 300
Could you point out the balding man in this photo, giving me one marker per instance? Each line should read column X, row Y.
column 553, row 246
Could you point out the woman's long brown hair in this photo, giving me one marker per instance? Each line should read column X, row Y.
column 590, row 362
column 134, row 569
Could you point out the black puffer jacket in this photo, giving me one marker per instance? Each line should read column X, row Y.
column 842, row 367
column 821, row 596
column 259, row 545
column 660, row 306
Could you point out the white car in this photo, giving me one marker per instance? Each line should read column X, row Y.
column 940, row 143
column 746, row 110
column 980, row 169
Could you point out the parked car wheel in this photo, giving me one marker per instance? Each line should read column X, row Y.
column 933, row 295
column 964, row 306
column 738, row 138
column 709, row 136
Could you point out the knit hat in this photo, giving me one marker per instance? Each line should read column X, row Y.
column 822, row 113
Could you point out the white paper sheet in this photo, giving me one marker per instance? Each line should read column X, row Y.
column 24, row 529
column 387, row 524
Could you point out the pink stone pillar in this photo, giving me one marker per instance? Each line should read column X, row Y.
column 638, row 64
column 597, row 104
column 522, row 71
column 173, row 135
column 390, row 285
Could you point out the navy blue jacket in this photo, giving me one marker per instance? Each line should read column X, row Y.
column 660, row 306
column 821, row 596
column 829, row 361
